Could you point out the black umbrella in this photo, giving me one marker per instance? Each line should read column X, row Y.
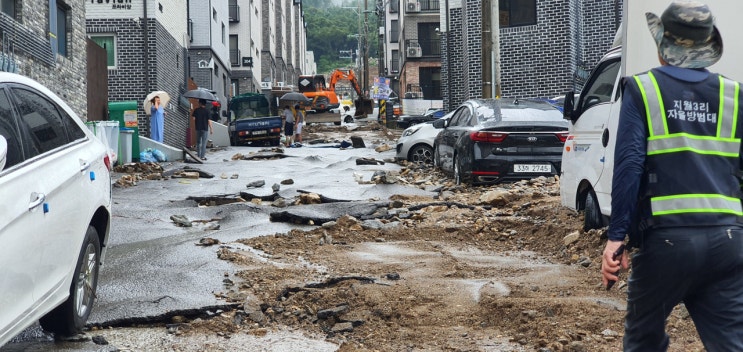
column 294, row 96
column 201, row 93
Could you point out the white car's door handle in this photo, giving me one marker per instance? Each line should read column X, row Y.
column 84, row 165
column 40, row 198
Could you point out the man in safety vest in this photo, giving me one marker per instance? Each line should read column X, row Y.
column 676, row 188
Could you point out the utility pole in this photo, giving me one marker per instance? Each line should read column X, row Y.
column 365, row 80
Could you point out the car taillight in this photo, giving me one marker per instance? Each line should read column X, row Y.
column 488, row 137
column 562, row 136
column 107, row 161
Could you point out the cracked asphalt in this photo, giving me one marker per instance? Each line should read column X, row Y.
column 154, row 270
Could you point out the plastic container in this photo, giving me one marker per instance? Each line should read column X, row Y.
column 125, row 148
column 108, row 133
column 125, row 112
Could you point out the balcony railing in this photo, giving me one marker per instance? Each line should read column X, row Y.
column 429, row 47
column 234, row 13
column 429, row 5
column 234, row 57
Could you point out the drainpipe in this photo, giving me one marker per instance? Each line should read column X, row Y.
column 146, row 35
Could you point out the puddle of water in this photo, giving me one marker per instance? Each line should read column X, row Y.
column 388, row 253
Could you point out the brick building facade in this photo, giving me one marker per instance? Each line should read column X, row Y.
column 544, row 59
column 146, row 59
column 27, row 48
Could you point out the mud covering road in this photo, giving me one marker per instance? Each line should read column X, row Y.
column 486, row 268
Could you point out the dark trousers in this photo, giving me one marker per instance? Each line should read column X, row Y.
column 699, row 266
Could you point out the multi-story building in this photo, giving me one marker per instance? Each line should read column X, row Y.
column 209, row 46
column 227, row 46
column 145, row 43
column 246, row 35
column 545, row 46
column 284, row 49
column 45, row 40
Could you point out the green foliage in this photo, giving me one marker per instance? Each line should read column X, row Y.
column 331, row 28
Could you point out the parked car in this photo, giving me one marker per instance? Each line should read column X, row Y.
column 56, row 194
column 406, row 121
column 491, row 140
column 416, row 142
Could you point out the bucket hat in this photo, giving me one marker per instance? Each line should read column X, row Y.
column 686, row 34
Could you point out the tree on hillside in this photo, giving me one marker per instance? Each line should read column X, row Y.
column 330, row 29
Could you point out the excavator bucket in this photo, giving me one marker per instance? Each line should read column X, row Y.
column 364, row 106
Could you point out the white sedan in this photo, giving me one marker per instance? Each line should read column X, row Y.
column 416, row 142
column 56, row 210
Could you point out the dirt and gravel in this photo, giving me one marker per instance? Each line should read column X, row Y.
column 475, row 268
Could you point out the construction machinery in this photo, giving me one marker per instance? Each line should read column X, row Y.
column 324, row 97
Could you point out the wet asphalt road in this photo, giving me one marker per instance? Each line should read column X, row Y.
column 154, row 269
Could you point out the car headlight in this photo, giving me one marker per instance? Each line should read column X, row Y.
column 411, row 130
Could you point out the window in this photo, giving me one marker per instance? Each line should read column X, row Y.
column 600, row 88
column 8, row 7
column 224, row 34
column 214, row 14
column 9, row 130
column 395, row 64
column 515, row 13
column 234, row 51
column 64, row 32
column 42, row 120
column 394, row 6
column 394, row 31
column 108, row 42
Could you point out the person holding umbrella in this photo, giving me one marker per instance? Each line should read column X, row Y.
column 203, row 125
column 288, row 125
column 154, row 105
column 157, row 120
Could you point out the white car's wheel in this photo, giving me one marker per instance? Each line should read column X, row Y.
column 70, row 317
column 421, row 153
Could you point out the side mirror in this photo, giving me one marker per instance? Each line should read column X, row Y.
column 440, row 123
column 3, row 152
column 568, row 108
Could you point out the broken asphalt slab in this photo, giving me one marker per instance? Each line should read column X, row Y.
column 319, row 214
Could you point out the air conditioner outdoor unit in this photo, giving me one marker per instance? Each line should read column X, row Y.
column 414, row 6
column 265, row 85
column 415, row 51
column 280, row 84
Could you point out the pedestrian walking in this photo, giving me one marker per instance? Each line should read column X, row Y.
column 203, row 126
column 676, row 188
column 299, row 123
column 288, row 125
column 157, row 120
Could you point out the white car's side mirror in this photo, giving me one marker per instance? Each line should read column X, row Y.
column 3, row 152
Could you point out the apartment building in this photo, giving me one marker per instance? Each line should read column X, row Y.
column 546, row 46
column 246, row 41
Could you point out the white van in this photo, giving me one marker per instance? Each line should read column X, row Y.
column 588, row 154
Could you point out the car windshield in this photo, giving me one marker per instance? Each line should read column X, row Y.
column 515, row 110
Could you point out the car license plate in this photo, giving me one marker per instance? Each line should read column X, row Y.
column 256, row 133
column 532, row 168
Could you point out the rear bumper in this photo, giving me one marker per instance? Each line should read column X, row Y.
column 494, row 170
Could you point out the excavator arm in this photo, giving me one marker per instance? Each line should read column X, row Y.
column 363, row 105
